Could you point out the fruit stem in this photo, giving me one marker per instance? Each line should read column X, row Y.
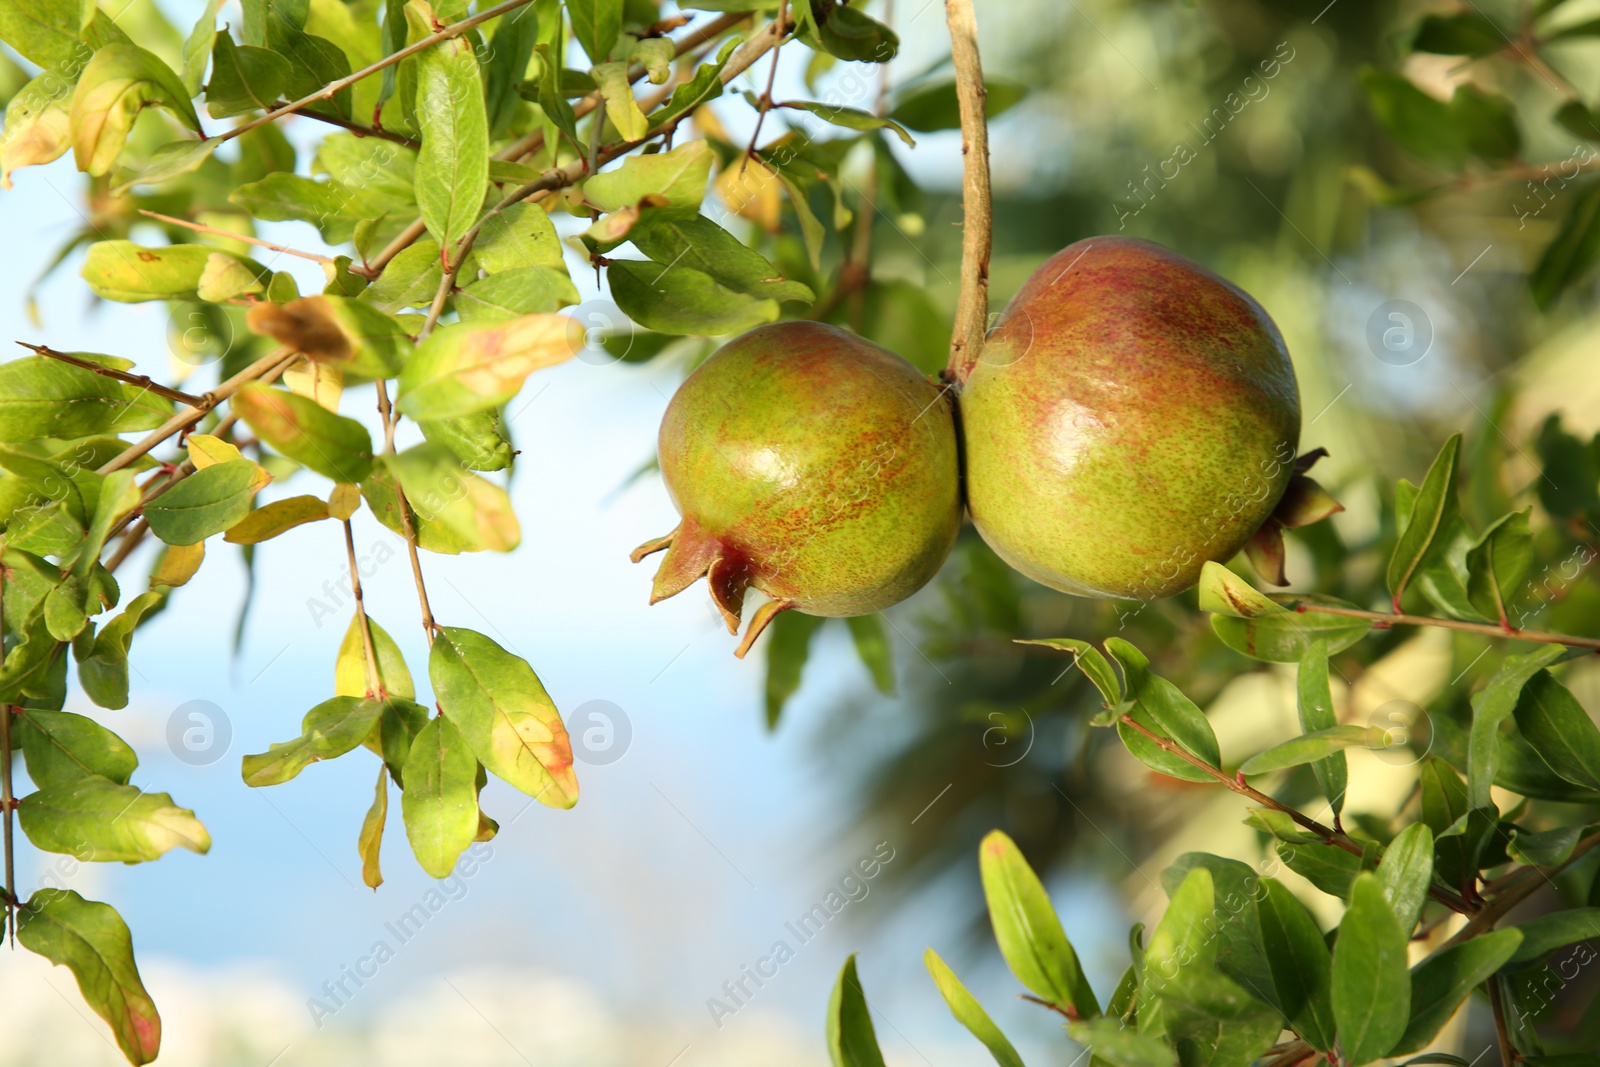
column 972, row 303
column 1386, row 619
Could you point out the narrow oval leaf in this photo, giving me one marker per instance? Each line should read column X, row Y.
column 1314, row 746
column 1028, row 931
column 1160, row 706
column 440, row 800
column 1285, row 638
column 1498, row 562
column 96, row 819
column 452, row 172
column 1371, row 983
column 1544, row 935
column 350, row 667
column 1180, row 963
column 207, row 502
column 91, row 940
column 332, row 445
column 370, row 839
column 1491, row 706
column 461, row 370
column 118, row 82
column 1314, row 702
column 475, row 511
column 61, row 747
column 1559, row 730
column 1434, row 508
column 1442, row 981
column 1406, row 872
column 872, row 646
column 1225, row 593
column 851, row 1039
column 504, row 714
column 103, row 666
column 1332, row 870
column 280, row 516
column 328, row 731
column 1301, row 966
column 969, row 1013
column 1088, row 659
column 42, row 397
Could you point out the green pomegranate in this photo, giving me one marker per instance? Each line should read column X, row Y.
column 1132, row 416
column 812, row 465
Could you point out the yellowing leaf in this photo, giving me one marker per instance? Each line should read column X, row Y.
column 270, row 520
column 464, row 369
column 316, row 381
column 344, row 501
column 38, row 126
column 226, row 277
column 752, row 190
column 119, row 82
column 206, row 451
column 178, row 564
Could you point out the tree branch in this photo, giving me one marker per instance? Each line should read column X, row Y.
column 272, row 363
column 1387, row 619
column 1503, row 903
column 455, row 29
column 361, row 129
column 142, row 381
column 390, row 417
column 1502, row 1033
column 1236, row 783
column 972, row 306
column 200, row 227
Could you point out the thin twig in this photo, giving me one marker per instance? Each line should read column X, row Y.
column 131, row 540
column 407, row 528
column 375, row 690
column 327, row 92
column 275, row 361
column 764, row 105
column 1504, row 902
column 972, row 303
column 1296, row 1052
column 1502, row 1033
column 200, row 227
column 1387, row 618
column 140, row 380
column 360, row 129
column 1236, row 783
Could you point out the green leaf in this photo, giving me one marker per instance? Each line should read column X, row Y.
column 91, row 940
column 851, row 118
column 851, row 1039
column 595, row 24
column 514, row 293
column 1446, row 135
column 1442, row 981
column 969, row 1013
column 328, row 731
column 681, row 300
column 51, row 33
column 1405, row 873
column 1115, row 1042
column 313, row 61
column 1572, row 255
column 521, row 235
column 94, row 818
column 1223, row 592
column 872, row 645
column 41, row 397
column 930, row 105
column 440, row 799
column 1180, row 963
column 476, row 512
column 379, row 491
column 370, row 840
column 1088, row 659
column 1559, row 730
column 103, row 672
column 845, row 32
column 244, row 78
column 1160, row 706
column 334, row 208
column 1313, row 747
column 1301, row 966
column 1371, row 984
column 677, row 177
column 509, row 51
column 788, row 646
column 398, row 727
column 1469, row 33
column 410, row 280
column 504, row 715
column 1028, row 931
column 702, row 245
column 350, row 665
column 305, row 431
column 1491, row 706
column 453, row 165
column 119, row 82
column 1314, row 701
column 1285, row 638
column 476, row 440
column 1488, row 123
column 130, row 273
column 1434, row 508
column 1576, row 118
column 463, row 369
column 1548, row 847
column 207, row 502
column 1498, row 562
column 703, row 86
column 61, row 747
column 197, row 47
column 1332, row 870
column 1547, row 933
